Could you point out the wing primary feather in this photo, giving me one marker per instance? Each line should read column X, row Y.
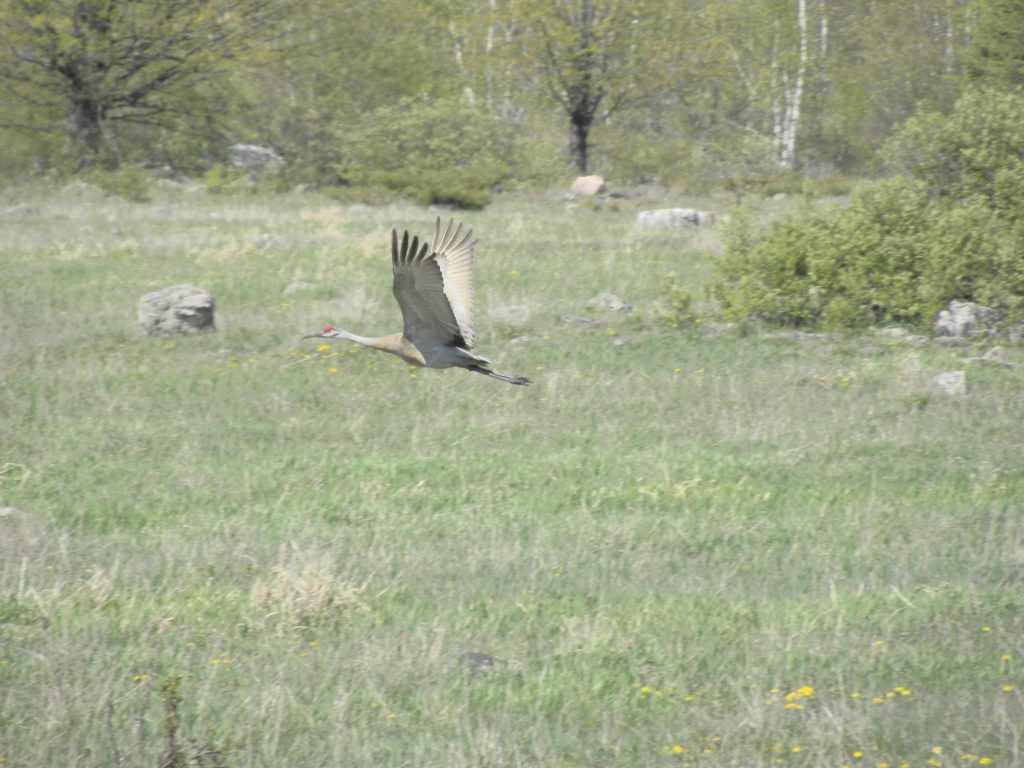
column 437, row 235
column 454, row 237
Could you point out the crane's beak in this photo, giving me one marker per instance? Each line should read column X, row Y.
column 313, row 336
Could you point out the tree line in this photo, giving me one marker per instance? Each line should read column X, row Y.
column 485, row 92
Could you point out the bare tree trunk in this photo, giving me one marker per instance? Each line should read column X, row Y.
column 85, row 133
column 822, row 30
column 578, row 141
column 795, row 97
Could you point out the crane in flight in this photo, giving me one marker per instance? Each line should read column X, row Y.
column 434, row 288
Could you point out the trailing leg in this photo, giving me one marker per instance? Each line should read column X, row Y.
column 501, row 376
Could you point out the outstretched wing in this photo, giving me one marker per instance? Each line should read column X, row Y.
column 453, row 252
column 434, row 288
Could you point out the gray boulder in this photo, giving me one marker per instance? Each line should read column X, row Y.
column 588, row 186
column 512, row 315
column 951, row 383
column 967, row 318
column 673, row 218
column 299, row 286
column 22, row 209
column 254, row 158
column 178, row 309
column 609, row 302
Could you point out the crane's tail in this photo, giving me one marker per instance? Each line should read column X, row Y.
column 501, row 376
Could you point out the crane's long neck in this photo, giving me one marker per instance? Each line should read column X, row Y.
column 396, row 344
column 377, row 342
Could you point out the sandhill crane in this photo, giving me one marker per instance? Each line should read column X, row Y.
column 434, row 288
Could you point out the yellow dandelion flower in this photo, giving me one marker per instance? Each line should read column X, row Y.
column 796, row 749
column 936, row 750
column 986, row 628
column 1005, row 657
column 792, row 705
column 645, row 690
column 968, row 757
column 806, row 691
column 677, row 748
column 934, row 761
column 858, row 754
column 323, row 347
column 1007, row 687
column 985, row 761
column 392, row 715
column 883, row 765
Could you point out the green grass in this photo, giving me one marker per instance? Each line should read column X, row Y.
column 669, row 541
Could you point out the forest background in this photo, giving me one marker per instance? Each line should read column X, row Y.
column 478, row 95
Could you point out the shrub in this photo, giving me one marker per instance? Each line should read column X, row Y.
column 971, row 152
column 892, row 255
column 222, row 179
column 953, row 227
column 445, row 152
column 130, row 182
column 679, row 303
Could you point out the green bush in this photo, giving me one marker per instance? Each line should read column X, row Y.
column 432, row 151
column 952, row 227
column 967, row 152
column 892, row 255
column 223, row 179
column 131, row 182
column 679, row 303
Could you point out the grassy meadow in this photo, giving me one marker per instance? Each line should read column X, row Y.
column 690, row 547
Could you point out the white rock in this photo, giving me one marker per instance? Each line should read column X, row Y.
column 511, row 315
column 588, row 186
column 951, row 383
column 966, row 318
column 178, row 309
column 609, row 302
column 299, row 286
column 673, row 218
column 254, row 158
